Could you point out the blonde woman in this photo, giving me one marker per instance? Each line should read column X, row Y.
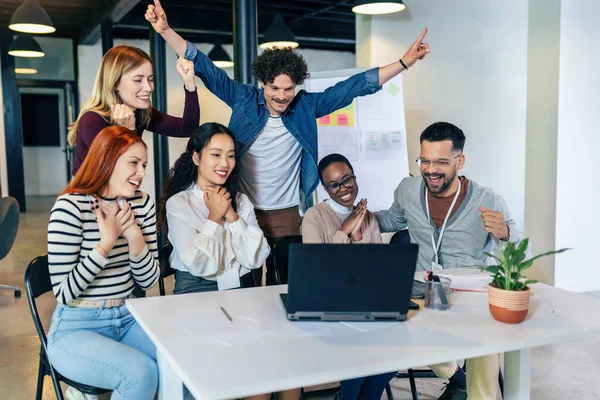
column 122, row 96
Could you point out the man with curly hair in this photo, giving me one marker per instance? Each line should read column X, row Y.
column 275, row 126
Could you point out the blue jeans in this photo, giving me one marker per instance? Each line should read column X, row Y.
column 103, row 347
column 367, row 388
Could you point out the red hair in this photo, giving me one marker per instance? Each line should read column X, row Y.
column 99, row 163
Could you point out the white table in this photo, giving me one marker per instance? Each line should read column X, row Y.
column 260, row 351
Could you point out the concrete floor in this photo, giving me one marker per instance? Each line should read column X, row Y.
column 564, row 371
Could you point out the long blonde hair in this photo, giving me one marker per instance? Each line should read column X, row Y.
column 118, row 61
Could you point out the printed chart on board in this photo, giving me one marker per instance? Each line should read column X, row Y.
column 371, row 133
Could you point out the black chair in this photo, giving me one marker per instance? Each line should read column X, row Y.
column 247, row 280
column 401, row 237
column 281, row 256
column 37, row 282
column 165, row 266
column 9, row 225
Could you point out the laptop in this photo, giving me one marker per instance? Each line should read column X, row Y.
column 341, row 282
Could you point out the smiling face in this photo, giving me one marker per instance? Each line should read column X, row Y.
column 135, row 88
column 336, row 177
column 279, row 94
column 129, row 171
column 216, row 161
column 439, row 166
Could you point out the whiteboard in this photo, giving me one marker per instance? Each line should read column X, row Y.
column 371, row 133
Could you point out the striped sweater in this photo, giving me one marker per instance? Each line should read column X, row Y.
column 78, row 271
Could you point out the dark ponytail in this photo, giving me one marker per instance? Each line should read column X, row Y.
column 184, row 172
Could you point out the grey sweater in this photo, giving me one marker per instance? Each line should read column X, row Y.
column 464, row 242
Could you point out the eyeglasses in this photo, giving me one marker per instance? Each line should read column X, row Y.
column 348, row 183
column 440, row 163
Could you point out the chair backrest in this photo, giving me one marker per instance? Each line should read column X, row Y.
column 9, row 224
column 401, row 237
column 165, row 266
column 281, row 256
column 37, row 282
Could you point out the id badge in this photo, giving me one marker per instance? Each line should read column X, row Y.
column 435, row 266
column 228, row 279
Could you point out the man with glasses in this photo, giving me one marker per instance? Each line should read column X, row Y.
column 455, row 221
column 338, row 220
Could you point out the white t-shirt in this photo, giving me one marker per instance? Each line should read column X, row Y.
column 270, row 168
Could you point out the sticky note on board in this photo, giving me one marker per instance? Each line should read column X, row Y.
column 393, row 90
column 326, row 120
column 342, row 119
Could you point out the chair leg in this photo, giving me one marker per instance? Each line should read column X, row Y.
column 56, row 383
column 40, row 380
column 413, row 385
column 388, row 391
column 501, row 382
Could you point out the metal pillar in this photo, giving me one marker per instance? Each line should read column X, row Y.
column 245, row 39
column 161, row 142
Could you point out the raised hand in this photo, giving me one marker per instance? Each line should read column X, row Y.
column 417, row 51
column 351, row 222
column 185, row 69
column 356, row 234
column 155, row 14
column 218, row 202
column 494, row 223
column 123, row 115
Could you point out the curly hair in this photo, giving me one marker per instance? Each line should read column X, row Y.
column 280, row 60
column 184, row 172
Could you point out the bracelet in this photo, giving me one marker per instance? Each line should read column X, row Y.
column 402, row 63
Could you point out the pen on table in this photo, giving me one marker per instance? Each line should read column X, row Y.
column 226, row 314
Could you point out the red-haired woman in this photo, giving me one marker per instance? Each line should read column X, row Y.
column 102, row 239
column 121, row 96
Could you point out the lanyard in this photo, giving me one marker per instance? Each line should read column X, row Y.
column 436, row 246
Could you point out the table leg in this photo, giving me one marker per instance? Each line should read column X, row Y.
column 170, row 386
column 517, row 375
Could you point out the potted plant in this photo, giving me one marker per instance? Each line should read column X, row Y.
column 508, row 293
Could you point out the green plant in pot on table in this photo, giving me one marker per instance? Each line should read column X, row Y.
column 509, row 291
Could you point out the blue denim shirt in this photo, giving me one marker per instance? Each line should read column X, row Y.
column 250, row 114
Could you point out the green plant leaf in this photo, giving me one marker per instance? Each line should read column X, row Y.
column 523, row 245
column 549, row 253
column 523, row 266
column 529, row 282
column 493, row 256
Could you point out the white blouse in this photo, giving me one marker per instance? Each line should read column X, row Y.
column 207, row 249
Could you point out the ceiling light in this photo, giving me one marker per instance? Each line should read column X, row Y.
column 219, row 56
column 26, row 71
column 25, row 46
column 374, row 7
column 30, row 17
column 278, row 35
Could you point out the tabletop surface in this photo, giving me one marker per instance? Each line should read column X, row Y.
column 260, row 351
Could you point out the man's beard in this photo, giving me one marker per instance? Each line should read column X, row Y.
column 447, row 181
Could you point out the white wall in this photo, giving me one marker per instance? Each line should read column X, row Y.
column 577, row 211
column 211, row 108
column 543, row 49
column 474, row 77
